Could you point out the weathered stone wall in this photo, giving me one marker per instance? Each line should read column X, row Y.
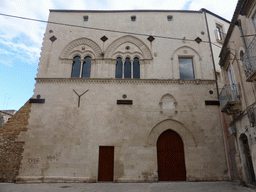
column 10, row 149
column 80, row 115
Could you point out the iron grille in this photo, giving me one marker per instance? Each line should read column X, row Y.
column 249, row 60
column 228, row 95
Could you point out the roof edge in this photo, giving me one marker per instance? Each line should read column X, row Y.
column 214, row 14
column 231, row 28
column 139, row 10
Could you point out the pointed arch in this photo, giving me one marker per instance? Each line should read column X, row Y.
column 168, row 104
column 247, row 159
column 194, row 61
column 171, row 157
column 128, row 38
column 187, row 137
column 186, row 47
column 74, row 46
column 168, row 95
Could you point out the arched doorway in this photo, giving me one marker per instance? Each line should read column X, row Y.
column 170, row 157
column 248, row 159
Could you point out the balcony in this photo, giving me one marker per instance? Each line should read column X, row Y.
column 249, row 61
column 251, row 112
column 230, row 99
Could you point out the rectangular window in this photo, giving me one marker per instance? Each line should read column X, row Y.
column 86, row 18
column 133, row 18
column 186, row 68
column 219, row 31
column 169, row 18
column 220, row 36
column 254, row 20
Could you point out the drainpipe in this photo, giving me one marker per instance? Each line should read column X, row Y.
column 217, row 87
column 223, row 116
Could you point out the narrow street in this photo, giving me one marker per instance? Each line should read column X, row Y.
column 224, row 186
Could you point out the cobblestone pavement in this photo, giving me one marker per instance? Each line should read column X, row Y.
column 224, row 186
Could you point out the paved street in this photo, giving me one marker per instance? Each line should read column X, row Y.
column 224, row 186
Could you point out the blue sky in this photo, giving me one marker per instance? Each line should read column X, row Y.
column 21, row 40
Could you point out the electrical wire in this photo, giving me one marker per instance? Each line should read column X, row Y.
column 100, row 29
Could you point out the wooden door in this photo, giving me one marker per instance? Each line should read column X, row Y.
column 170, row 157
column 248, row 159
column 106, row 163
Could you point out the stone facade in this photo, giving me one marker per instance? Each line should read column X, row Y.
column 10, row 148
column 81, row 115
column 238, row 96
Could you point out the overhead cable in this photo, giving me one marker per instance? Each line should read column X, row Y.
column 100, row 29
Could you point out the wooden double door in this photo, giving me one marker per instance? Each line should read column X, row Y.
column 170, row 157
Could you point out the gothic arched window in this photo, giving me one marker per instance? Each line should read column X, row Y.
column 76, row 67
column 119, row 67
column 136, row 68
column 128, row 69
column 81, row 70
column 86, row 67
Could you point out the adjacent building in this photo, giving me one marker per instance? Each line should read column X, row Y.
column 126, row 96
column 237, row 97
column 5, row 115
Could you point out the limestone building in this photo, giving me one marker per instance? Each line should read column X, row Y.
column 5, row 115
column 238, row 97
column 125, row 96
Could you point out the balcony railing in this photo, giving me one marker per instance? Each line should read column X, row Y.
column 230, row 99
column 249, row 61
column 251, row 112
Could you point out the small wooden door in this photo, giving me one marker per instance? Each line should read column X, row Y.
column 106, row 163
column 170, row 157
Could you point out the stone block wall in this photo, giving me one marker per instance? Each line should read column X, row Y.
column 11, row 149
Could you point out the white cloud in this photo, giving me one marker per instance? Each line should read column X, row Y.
column 25, row 37
column 7, row 61
column 222, row 8
column 142, row 4
column 5, row 52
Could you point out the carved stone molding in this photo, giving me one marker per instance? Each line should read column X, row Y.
column 123, row 81
column 110, row 61
column 186, row 48
column 67, row 61
column 81, row 41
column 141, row 45
column 94, row 61
column 145, row 61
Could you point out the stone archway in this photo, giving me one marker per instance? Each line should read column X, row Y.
column 186, row 135
column 249, row 171
column 170, row 157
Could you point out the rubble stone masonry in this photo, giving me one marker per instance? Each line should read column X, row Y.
column 11, row 149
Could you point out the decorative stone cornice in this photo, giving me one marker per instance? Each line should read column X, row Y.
column 124, row 81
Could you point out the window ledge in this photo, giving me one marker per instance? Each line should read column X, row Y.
column 220, row 41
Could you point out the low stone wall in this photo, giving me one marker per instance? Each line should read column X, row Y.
column 10, row 149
